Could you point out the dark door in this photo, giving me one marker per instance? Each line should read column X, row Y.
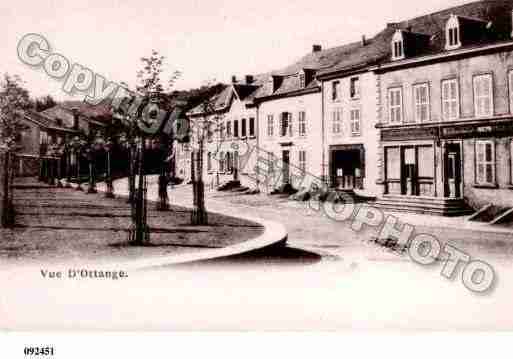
column 409, row 182
column 453, row 171
column 286, row 161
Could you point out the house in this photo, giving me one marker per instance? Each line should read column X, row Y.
column 349, row 99
column 37, row 134
column 229, row 120
column 290, row 117
column 445, row 110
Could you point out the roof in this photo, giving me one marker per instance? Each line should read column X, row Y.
column 99, row 114
column 378, row 48
column 44, row 121
column 223, row 100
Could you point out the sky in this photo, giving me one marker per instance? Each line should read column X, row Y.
column 205, row 40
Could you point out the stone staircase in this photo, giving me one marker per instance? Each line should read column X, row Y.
column 424, row 205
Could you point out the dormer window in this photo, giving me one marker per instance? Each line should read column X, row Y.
column 302, row 80
column 398, row 46
column 452, row 33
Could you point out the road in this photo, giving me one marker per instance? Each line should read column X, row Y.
column 355, row 285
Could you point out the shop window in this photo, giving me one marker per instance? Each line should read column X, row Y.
column 485, row 163
column 393, row 165
column 395, row 103
column 221, row 162
column 337, row 121
column 426, row 164
column 483, row 95
column 450, row 99
column 355, row 122
column 421, row 98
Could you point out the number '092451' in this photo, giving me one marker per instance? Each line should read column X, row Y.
column 38, row 351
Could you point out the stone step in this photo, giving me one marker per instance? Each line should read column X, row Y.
column 424, row 205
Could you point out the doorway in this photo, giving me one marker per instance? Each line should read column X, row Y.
column 285, row 157
column 452, row 167
column 346, row 169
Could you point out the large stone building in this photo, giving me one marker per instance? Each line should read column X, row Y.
column 420, row 116
column 445, row 108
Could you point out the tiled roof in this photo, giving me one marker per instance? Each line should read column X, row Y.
column 44, row 121
column 223, row 100
column 378, row 49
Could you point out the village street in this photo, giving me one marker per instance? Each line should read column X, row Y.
column 355, row 285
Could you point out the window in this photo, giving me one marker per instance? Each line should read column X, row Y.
column 251, row 126
column 286, row 124
column 485, row 162
column 452, row 33
column 397, row 46
column 421, row 98
column 355, row 122
column 511, row 161
column 450, row 99
column 302, row 161
column 229, row 162
column 395, row 103
column 210, row 133
column 243, row 128
column 270, row 159
column 354, row 87
column 229, row 129
column 302, row 80
column 270, row 126
column 335, row 90
column 337, row 121
column 511, row 91
column 302, row 123
column 483, row 95
column 235, row 128
column 209, row 161
column 221, row 162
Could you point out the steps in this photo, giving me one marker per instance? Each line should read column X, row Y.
column 424, row 205
column 493, row 214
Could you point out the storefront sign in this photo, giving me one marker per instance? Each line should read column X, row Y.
column 404, row 134
column 468, row 131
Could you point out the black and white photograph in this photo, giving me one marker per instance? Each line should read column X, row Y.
column 270, row 166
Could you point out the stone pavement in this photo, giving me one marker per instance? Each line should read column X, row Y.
column 313, row 231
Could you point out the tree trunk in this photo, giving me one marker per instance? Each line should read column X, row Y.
column 163, row 203
column 7, row 205
column 199, row 213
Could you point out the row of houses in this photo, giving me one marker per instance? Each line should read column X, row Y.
column 419, row 115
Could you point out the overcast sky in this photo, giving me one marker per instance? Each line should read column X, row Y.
column 203, row 39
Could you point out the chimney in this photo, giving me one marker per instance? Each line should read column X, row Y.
column 234, row 79
column 249, row 79
column 316, row 48
column 364, row 40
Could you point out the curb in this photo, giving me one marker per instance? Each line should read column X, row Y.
column 274, row 235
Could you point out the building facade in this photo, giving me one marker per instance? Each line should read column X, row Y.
column 445, row 107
